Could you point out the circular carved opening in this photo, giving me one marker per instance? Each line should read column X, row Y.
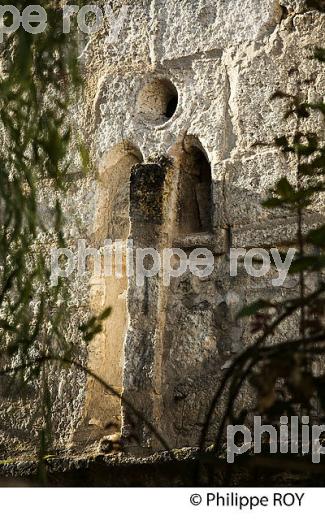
column 157, row 101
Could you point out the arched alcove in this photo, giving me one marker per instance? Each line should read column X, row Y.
column 106, row 352
column 194, row 199
column 112, row 212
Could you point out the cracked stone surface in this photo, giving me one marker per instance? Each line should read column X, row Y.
column 226, row 58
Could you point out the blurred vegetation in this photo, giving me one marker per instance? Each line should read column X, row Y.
column 285, row 376
column 40, row 82
column 40, row 79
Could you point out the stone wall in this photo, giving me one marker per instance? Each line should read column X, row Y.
column 188, row 83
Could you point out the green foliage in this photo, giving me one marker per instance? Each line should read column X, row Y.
column 280, row 372
column 251, row 310
column 94, row 325
column 39, row 82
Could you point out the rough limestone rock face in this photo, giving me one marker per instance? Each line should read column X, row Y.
column 178, row 118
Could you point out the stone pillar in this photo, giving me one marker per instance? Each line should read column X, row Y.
column 146, row 215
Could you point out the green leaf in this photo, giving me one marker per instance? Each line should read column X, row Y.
column 282, row 142
column 107, row 312
column 284, row 188
column 255, row 307
column 308, row 263
column 84, row 156
column 272, row 202
column 317, row 236
column 319, row 53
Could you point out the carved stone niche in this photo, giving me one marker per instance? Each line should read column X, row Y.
column 194, row 212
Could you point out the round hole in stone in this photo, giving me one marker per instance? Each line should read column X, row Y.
column 157, row 101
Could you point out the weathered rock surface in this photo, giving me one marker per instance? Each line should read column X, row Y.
column 166, row 347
